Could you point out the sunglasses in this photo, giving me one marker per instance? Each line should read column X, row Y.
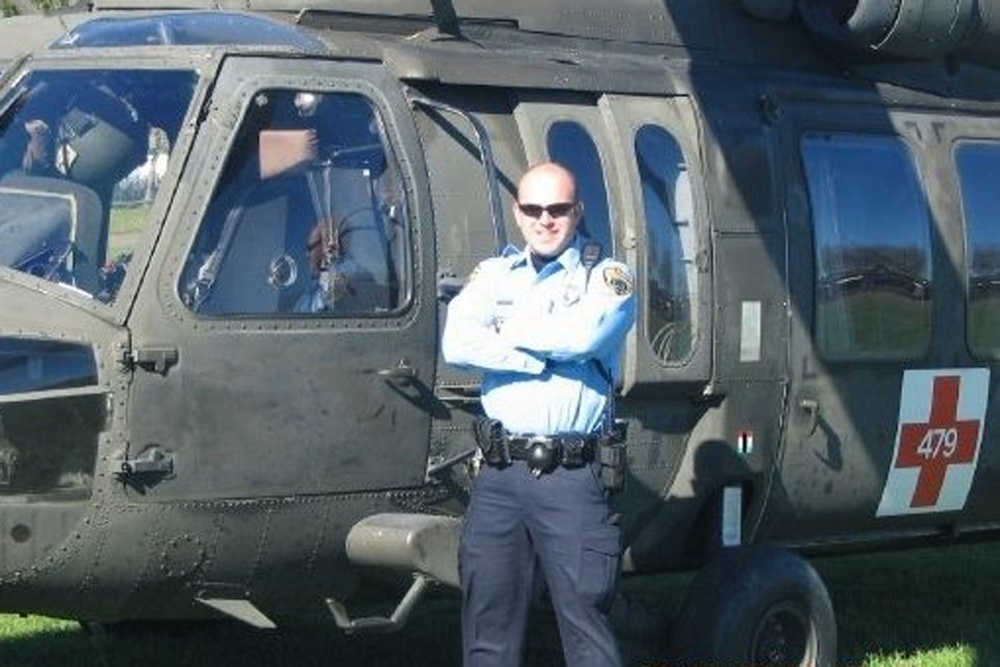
column 558, row 210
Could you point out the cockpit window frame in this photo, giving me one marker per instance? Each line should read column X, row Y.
column 202, row 67
column 242, row 75
column 338, row 208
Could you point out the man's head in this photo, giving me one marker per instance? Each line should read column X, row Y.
column 546, row 210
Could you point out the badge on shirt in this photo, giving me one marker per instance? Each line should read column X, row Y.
column 571, row 293
column 618, row 280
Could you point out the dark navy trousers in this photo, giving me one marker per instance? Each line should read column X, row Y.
column 517, row 523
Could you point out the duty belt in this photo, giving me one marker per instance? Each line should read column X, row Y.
column 570, row 450
column 541, row 452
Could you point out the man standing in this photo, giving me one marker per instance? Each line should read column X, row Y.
column 545, row 325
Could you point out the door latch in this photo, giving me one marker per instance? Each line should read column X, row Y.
column 150, row 461
column 157, row 359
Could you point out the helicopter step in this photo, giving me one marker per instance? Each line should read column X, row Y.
column 423, row 544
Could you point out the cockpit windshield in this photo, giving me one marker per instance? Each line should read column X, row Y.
column 82, row 153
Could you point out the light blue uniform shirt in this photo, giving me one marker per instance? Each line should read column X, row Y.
column 536, row 337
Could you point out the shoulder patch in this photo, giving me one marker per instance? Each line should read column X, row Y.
column 618, row 280
column 488, row 267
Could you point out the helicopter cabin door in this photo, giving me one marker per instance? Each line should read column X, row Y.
column 285, row 343
column 871, row 364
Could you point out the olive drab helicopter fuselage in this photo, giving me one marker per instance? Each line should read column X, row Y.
column 228, row 239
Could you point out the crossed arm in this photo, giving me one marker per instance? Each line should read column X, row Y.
column 531, row 334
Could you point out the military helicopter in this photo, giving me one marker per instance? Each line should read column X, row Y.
column 229, row 233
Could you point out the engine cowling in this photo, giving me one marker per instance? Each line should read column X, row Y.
column 921, row 29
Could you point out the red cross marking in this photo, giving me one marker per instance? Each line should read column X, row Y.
column 940, row 442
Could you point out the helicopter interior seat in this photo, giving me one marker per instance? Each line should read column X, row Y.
column 65, row 236
column 260, row 263
column 238, row 267
column 336, row 195
column 252, row 238
column 336, row 187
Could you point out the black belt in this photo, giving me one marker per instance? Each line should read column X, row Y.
column 570, row 450
column 542, row 453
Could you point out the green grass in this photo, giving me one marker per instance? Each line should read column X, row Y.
column 127, row 224
column 923, row 608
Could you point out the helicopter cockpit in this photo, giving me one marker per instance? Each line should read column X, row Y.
column 307, row 217
column 81, row 155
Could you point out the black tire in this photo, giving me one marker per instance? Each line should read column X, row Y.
column 756, row 606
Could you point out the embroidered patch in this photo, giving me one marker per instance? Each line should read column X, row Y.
column 618, row 280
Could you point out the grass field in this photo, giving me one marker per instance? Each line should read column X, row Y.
column 924, row 608
column 127, row 224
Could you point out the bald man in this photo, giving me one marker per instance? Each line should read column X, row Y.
column 545, row 325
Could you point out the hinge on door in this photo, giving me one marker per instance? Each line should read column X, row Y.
column 157, row 359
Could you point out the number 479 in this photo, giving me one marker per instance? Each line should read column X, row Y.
column 938, row 442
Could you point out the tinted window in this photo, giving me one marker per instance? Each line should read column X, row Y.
column 28, row 365
column 979, row 176
column 308, row 217
column 670, row 247
column 570, row 145
column 872, row 248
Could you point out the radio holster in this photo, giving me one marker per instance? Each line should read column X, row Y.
column 492, row 440
column 612, row 456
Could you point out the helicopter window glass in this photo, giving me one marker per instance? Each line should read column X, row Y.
column 670, row 246
column 570, row 145
column 308, row 218
column 28, row 365
column 872, row 248
column 979, row 172
column 81, row 155
column 187, row 28
column 48, row 445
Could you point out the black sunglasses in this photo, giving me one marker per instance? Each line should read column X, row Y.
column 558, row 210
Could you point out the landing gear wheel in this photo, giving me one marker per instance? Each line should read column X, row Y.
column 756, row 606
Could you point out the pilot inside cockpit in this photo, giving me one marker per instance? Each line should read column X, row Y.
column 101, row 140
column 39, row 154
column 77, row 145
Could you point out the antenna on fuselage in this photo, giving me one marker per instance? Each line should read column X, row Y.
column 446, row 18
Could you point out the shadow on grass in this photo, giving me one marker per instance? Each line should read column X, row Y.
column 890, row 603
column 431, row 638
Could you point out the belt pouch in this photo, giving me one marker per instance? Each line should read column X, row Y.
column 492, row 440
column 574, row 451
column 612, row 457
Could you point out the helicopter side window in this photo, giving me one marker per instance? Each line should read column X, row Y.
column 48, row 444
column 872, row 248
column 569, row 144
column 670, row 248
column 70, row 143
column 979, row 172
column 307, row 218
